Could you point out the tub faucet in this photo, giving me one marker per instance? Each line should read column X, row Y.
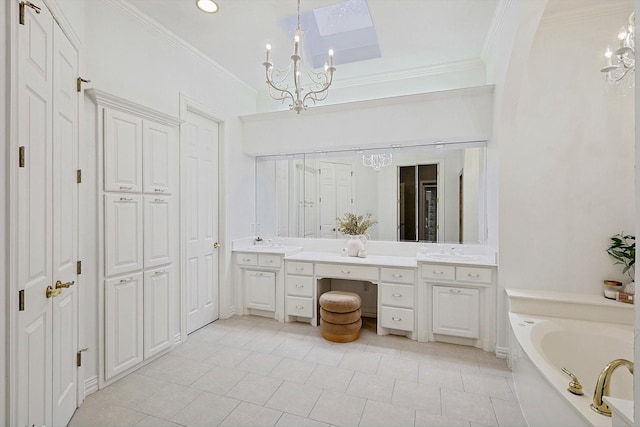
column 602, row 386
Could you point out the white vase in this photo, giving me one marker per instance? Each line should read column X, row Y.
column 356, row 244
column 629, row 288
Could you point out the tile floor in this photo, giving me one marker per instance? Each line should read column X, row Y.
column 253, row 371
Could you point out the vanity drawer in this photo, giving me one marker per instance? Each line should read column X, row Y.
column 297, row 306
column 265, row 260
column 439, row 272
column 301, row 268
column 340, row 271
column 397, row 275
column 397, row 295
column 299, row 285
column 247, row 259
column 473, row 274
column 397, row 318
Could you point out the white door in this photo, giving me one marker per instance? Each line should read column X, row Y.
column 157, row 288
column 201, row 175
column 335, row 196
column 46, row 218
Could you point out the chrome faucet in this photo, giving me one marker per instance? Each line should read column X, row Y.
column 602, row 386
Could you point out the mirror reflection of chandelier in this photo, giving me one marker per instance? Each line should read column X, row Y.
column 623, row 60
column 319, row 81
column 377, row 161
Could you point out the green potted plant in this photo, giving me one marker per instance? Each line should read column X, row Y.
column 623, row 250
column 356, row 227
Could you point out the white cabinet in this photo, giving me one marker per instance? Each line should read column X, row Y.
column 123, row 323
column 260, row 290
column 157, row 288
column 158, row 224
column 159, row 153
column 456, row 311
column 122, row 152
column 299, row 290
column 396, row 299
column 123, row 233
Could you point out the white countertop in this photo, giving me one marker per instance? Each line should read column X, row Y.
column 372, row 260
column 466, row 259
column 276, row 250
column 567, row 297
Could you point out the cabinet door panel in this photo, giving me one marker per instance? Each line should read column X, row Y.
column 122, row 152
column 261, row 290
column 456, row 311
column 160, row 158
column 123, row 323
column 123, row 234
column 157, row 288
column 157, row 230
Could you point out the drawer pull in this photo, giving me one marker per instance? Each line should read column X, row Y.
column 299, row 268
column 397, row 276
column 159, row 190
column 396, row 295
column 397, row 319
column 299, row 286
column 268, row 261
column 455, row 291
column 258, row 274
column 438, row 272
column 157, row 273
column 474, row 276
column 125, row 199
column 246, row 259
column 159, row 201
column 345, row 272
column 299, row 307
column 127, row 280
column 126, row 188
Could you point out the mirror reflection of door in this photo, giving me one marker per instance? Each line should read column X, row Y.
column 336, row 197
column 418, row 203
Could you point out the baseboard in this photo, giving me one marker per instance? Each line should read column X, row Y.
column 502, row 352
column 90, row 385
column 177, row 339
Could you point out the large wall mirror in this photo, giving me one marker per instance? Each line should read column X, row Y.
column 418, row 193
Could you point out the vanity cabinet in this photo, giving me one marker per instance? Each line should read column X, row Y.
column 122, row 151
column 461, row 307
column 456, row 311
column 396, row 300
column 260, row 289
column 123, row 231
column 299, row 288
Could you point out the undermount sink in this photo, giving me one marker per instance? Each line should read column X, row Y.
column 451, row 257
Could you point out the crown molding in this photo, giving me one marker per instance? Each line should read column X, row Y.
column 162, row 32
column 378, row 102
column 105, row 99
column 495, row 29
column 586, row 13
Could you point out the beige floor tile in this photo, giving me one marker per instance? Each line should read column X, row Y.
column 176, row 369
column 394, row 367
column 289, row 420
column 196, row 350
column 168, row 401
column 206, row 410
column 338, row 409
column 228, row 357
column 379, row 414
column 427, row 355
column 150, row 421
column 508, row 413
column 293, row 349
column 441, row 377
column 110, row 416
column 255, row 388
column 293, row 370
column 209, row 334
column 371, row 387
column 424, row 419
column 361, row 361
column 293, row 398
column 264, row 343
column 250, row 415
column 487, row 385
column 422, row 397
column 259, row 363
column 132, row 390
column 468, row 407
column 237, row 339
column 331, row 378
column 219, row 380
column 326, row 355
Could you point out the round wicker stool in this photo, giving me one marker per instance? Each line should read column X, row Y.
column 340, row 316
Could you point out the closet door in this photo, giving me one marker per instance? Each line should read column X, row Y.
column 157, row 288
column 123, row 233
column 160, row 156
column 157, row 230
column 123, row 323
column 122, row 152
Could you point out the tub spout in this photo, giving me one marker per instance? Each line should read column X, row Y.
column 602, row 386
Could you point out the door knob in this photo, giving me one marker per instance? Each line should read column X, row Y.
column 60, row 285
column 216, row 245
column 52, row 292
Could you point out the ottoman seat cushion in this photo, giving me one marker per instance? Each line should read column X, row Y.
column 340, row 302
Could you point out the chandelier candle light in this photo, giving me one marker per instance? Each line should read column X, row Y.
column 623, row 60
column 281, row 91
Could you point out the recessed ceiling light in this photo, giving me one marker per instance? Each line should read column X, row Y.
column 208, row 6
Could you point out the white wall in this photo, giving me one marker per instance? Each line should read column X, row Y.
column 566, row 158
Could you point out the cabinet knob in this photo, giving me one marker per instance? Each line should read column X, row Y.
column 345, row 272
column 397, row 276
column 438, row 272
column 126, row 188
column 299, row 268
column 299, row 307
column 475, row 276
column 396, row 295
column 268, row 261
column 396, row 319
column 299, row 286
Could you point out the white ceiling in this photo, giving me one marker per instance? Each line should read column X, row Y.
column 411, row 33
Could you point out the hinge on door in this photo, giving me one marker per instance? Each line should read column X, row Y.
column 79, row 356
column 29, row 4
column 351, row 173
column 79, row 176
column 79, row 82
column 79, row 267
column 21, row 300
column 21, row 156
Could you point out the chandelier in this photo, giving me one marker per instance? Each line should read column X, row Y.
column 296, row 94
column 623, row 60
column 377, row 161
